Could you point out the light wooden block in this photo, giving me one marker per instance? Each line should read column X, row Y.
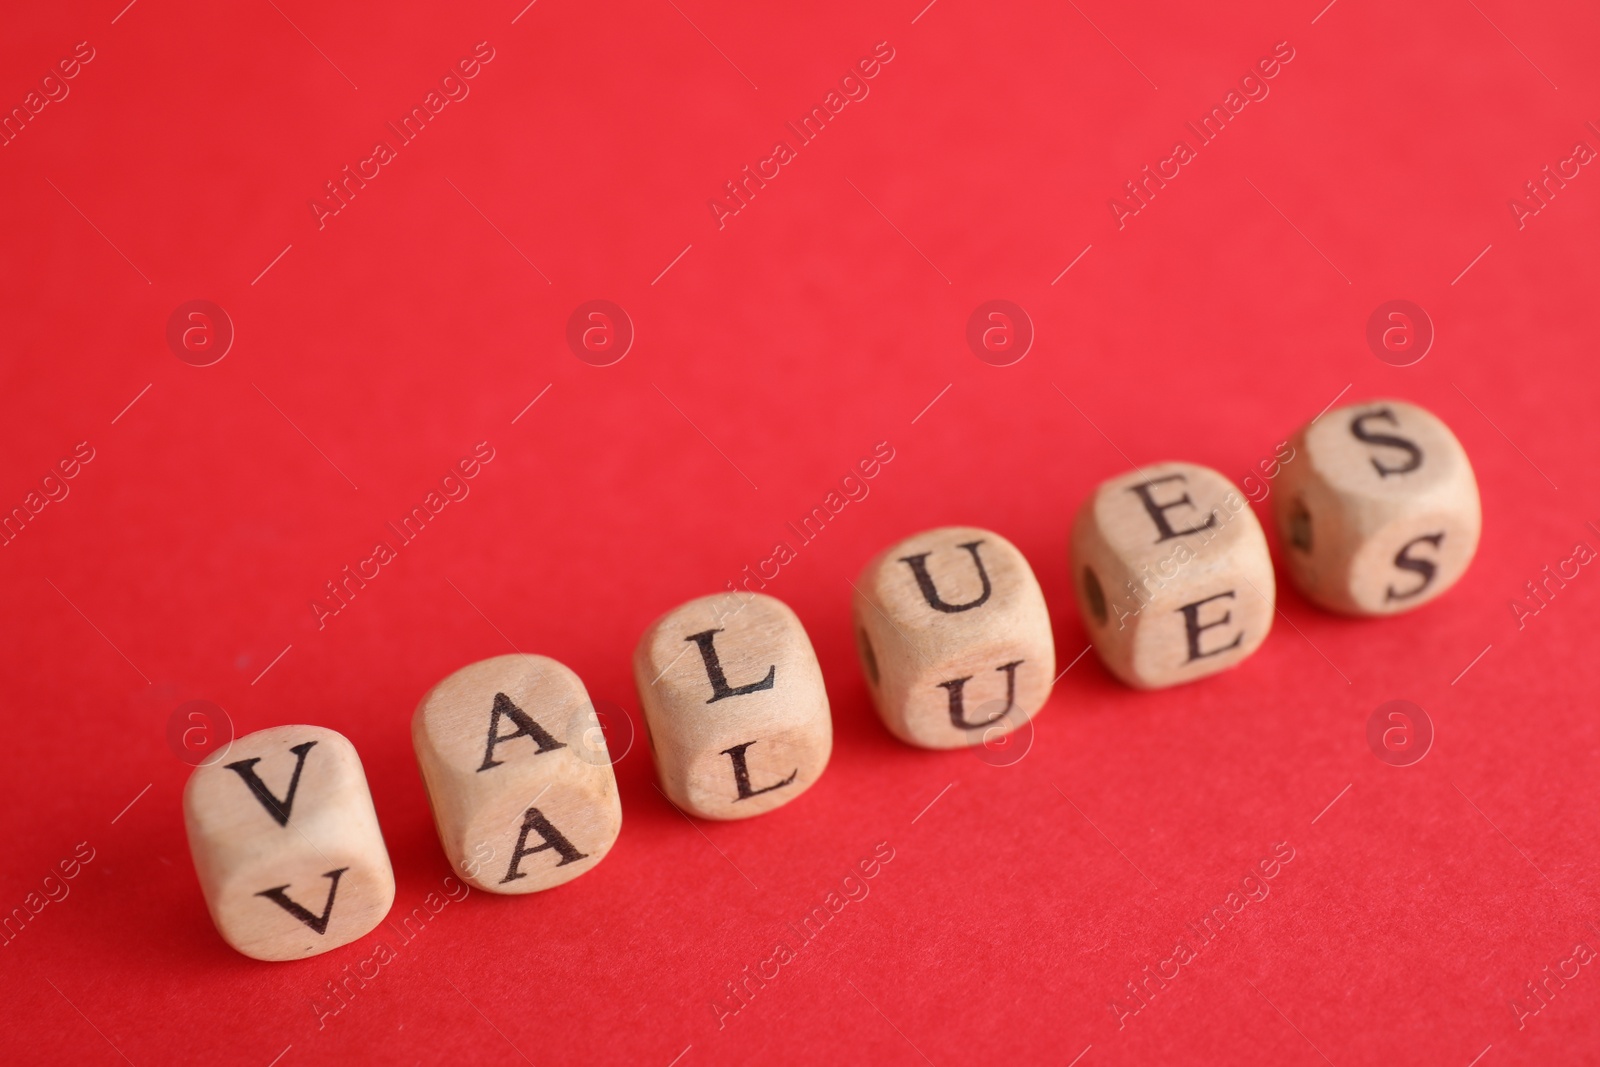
column 954, row 637
column 1379, row 511
column 286, row 843
column 518, row 774
column 1172, row 573
column 734, row 705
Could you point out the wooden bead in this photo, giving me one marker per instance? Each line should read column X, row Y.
column 286, row 844
column 734, row 704
column 1173, row 576
column 518, row 773
column 1378, row 509
column 954, row 637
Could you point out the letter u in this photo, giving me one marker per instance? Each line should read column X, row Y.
column 930, row 593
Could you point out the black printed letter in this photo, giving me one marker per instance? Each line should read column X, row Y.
column 1361, row 433
column 533, row 820
column 919, row 567
column 1158, row 512
column 1192, row 623
column 741, row 773
column 526, row 727
column 958, row 711
column 278, row 809
column 1425, row 567
column 720, row 689
column 319, row 923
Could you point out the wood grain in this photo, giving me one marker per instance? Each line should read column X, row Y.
column 1172, row 573
column 307, row 840
column 954, row 637
column 1379, row 510
column 504, row 737
column 754, row 738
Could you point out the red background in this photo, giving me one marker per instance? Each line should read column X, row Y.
column 822, row 319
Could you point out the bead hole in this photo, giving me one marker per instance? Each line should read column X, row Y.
column 869, row 659
column 1094, row 595
column 1300, row 526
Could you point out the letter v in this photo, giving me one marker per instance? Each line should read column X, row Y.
column 319, row 923
column 278, row 809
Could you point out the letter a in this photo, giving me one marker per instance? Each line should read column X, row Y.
column 526, row 727
column 532, row 819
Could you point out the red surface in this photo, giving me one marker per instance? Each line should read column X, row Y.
column 410, row 327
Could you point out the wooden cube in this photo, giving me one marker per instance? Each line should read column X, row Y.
column 954, row 637
column 518, row 774
column 1173, row 576
column 734, row 704
column 1378, row 511
column 286, row 843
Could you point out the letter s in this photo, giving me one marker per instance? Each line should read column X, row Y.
column 1413, row 458
column 1424, row 568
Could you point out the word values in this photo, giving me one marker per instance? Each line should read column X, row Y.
column 453, row 87
column 1252, row 89
column 853, row 88
column 453, row 488
column 1541, row 190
